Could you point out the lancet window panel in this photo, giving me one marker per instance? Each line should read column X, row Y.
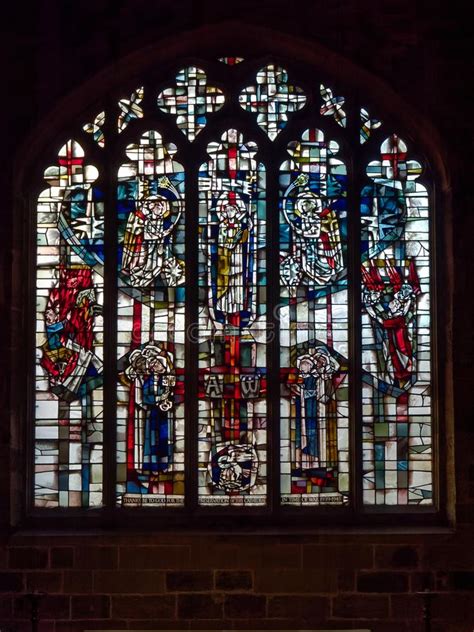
column 313, row 319
column 268, row 278
column 151, row 325
column 69, row 395
column 232, row 325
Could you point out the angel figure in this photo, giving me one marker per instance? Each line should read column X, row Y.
column 316, row 240
column 148, row 240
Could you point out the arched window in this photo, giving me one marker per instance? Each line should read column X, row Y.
column 233, row 282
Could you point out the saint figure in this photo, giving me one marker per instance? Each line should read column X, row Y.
column 316, row 242
column 148, row 241
column 313, row 391
column 231, row 262
column 152, row 381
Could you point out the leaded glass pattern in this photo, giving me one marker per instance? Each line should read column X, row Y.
column 232, row 350
column 313, row 324
column 332, row 106
column 96, row 129
column 69, row 335
column 191, row 101
column 231, row 61
column 151, row 299
column 396, row 356
column 367, row 125
column 273, row 98
column 131, row 108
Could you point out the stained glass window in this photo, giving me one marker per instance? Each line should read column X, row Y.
column 314, row 323
column 232, row 358
column 258, row 243
column 191, row 100
column 396, row 331
column 150, row 332
column 70, row 336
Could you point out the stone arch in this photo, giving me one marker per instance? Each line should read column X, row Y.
column 258, row 41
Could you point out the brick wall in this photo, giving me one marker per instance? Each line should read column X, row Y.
column 238, row 582
column 133, row 581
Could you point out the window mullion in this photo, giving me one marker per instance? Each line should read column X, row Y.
column 273, row 332
column 109, row 178
column 354, row 285
column 191, row 332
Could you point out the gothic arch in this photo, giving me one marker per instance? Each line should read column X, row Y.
column 262, row 43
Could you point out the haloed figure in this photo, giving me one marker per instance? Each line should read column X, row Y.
column 314, row 390
column 150, row 373
column 147, row 247
column 316, row 251
column 231, row 248
column 317, row 238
